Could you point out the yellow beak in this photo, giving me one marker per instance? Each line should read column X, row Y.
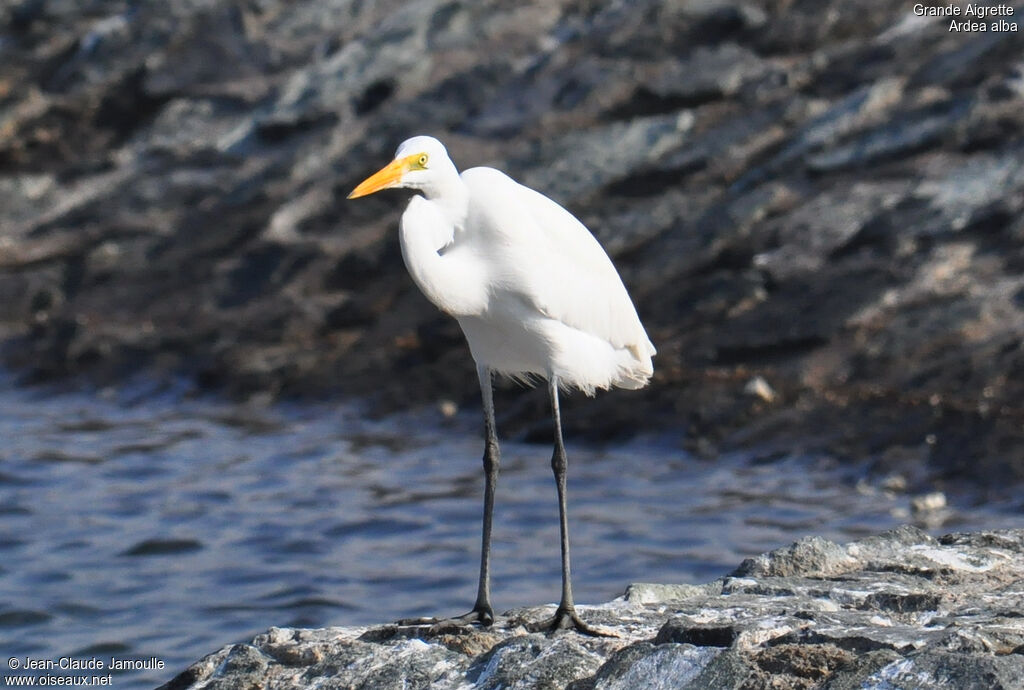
column 388, row 176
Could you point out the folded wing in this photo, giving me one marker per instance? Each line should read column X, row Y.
column 555, row 264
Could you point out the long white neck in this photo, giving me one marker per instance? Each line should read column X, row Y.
column 448, row 192
column 454, row 281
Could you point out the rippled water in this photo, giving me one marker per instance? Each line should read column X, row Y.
column 166, row 527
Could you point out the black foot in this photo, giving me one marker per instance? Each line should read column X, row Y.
column 483, row 617
column 565, row 619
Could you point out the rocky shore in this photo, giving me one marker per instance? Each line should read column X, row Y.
column 818, row 207
column 898, row 610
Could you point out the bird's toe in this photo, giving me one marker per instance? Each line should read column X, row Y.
column 568, row 619
column 483, row 617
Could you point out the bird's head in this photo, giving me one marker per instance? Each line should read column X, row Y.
column 419, row 163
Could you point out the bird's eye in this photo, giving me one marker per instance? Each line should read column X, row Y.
column 422, row 160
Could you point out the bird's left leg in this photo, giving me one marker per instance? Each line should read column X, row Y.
column 492, row 459
column 565, row 615
column 482, row 612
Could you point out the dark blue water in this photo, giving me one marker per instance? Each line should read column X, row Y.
column 166, row 527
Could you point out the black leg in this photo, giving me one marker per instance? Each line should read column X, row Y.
column 492, row 461
column 560, row 465
column 482, row 612
column 565, row 615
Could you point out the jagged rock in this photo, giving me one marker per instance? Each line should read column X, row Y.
column 899, row 609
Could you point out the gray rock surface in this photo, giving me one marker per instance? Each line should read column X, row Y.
column 898, row 610
column 826, row 195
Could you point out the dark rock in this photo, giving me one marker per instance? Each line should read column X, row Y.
column 910, row 133
column 851, row 675
column 870, row 613
column 826, row 195
column 933, row 669
column 532, row 661
column 708, row 74
column 697, row 635
column 813, row 662
column 647, row 666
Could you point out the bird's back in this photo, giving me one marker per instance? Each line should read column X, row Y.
column 549, row 272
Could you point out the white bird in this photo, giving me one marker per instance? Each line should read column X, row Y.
column 535, row 295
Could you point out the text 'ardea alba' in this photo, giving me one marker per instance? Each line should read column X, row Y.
column 535, row 295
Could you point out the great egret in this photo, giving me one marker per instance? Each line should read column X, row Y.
column 535, row 295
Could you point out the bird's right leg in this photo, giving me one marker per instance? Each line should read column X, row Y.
column 482, row 612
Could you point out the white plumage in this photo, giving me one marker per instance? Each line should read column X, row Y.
column 532, row 289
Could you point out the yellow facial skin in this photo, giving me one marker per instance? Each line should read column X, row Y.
column 390, row 175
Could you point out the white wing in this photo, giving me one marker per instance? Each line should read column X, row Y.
column 542, row 252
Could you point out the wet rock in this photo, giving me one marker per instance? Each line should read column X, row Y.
column 648, row 666
column 812, row 555
column 532, row 661
column 933, row 669
column 825, row 196
column 900, row 609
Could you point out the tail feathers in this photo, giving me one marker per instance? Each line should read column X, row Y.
column 589, row 363
column 635, row 366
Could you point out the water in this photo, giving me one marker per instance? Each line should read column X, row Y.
column 166, row 527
